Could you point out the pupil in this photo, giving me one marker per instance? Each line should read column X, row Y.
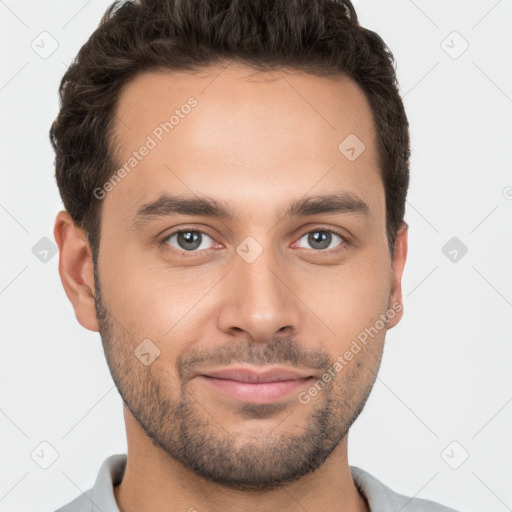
column 325, row 239
column 189, row 240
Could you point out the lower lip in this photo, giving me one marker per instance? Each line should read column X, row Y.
column 256, row 392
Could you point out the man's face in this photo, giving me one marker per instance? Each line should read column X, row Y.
column 259, row 290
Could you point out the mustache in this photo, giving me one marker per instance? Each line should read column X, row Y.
column 278, row 351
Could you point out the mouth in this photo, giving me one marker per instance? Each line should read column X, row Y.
column 250, row 386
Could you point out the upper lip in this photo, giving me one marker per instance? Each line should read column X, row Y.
column 250, row 375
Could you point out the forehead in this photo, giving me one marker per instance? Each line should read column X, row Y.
column 253, row 137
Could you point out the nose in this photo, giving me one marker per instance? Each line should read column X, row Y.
column 260, row 300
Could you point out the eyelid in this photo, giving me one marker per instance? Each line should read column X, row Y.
column 345, row 239
column 166, row 238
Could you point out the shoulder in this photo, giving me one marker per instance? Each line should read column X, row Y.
column 382, row 498
column 82, row 503
column 100, row 498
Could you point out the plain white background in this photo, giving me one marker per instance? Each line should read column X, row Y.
column 444, row 391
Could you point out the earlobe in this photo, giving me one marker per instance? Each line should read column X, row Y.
column 76, row 269
column 398, row 264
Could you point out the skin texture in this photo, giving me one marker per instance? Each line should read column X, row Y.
column 257, row 141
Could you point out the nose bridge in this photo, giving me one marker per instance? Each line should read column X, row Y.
column 258, row 298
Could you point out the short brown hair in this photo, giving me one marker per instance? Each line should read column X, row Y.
column 321, row 37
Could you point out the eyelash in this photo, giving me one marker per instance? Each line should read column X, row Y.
column 193, row 254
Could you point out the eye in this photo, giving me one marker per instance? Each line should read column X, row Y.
column 321, row 239
column 188, row 240
column 191, row 241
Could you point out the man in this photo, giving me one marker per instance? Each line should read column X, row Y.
column 234, row 175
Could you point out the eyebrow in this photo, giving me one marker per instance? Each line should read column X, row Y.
column 168, row 205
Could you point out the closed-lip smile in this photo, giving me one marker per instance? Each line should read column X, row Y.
column 256, row 386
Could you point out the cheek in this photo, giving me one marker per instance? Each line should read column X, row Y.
column 349, row 300
column 130, row 290
column 155, row 301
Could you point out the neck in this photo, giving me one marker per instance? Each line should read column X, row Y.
column 154, row 481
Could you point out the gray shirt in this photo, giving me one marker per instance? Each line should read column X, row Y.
column 380, row 498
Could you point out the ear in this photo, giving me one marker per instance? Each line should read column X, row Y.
column 399, row 257
column 76, row 269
